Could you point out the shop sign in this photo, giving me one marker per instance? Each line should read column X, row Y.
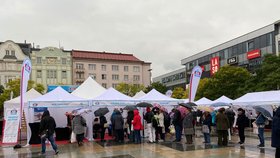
column 232, row 60
column 215, row 65
column 253, row 54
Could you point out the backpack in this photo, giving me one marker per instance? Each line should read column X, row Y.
column 154, row 122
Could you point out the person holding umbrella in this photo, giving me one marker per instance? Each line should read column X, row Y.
column 118, row 126
column 130, row 116
column 177, row 122
column 275, row 135
column 151, row 130
column 188, row 126
column 78, row 124
column 206, row 126
column 103, row 122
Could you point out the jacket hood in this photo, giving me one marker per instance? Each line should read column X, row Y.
column 136, row 112
column 46, row 113
column 277, row 113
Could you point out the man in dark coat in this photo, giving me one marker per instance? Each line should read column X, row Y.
column 47, row 126
column 130, row 116
column 222, row 125
column 103, row 121
column 230, row 114
column 118, row 126
column 275, row 135
column 241, row 123
column 177, row 122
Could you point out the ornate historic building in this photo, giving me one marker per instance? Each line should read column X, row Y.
column 11, row 57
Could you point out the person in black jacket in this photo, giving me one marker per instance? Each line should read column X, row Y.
column 178, row 124
column 275, row 135
column 103, row 121
column 151, row 130
column 118, row 126
column 47, row 126
column 241, row 124
column 206, row 123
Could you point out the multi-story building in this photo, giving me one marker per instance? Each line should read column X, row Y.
column 110, row 69
column 51, row 66
column 246, row 51
column 11, row 58
column 173, row 79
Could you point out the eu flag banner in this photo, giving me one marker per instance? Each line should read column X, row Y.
column 194, row 81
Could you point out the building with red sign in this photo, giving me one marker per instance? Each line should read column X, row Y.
column 246, row 51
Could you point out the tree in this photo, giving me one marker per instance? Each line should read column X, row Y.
column 129, row 89
column 179, row 93
column 1, row 89
column 158, row 86
column 14, row 86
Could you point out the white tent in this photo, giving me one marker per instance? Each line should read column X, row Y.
column 58, row 102
column 223, row 99
column 156, row 97
column 259, row 98
column 15, row 103
column 89, row 89
column 139, row 94
column 203, row 101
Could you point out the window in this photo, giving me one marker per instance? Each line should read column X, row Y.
column 80, row 75
column 63, row 74
column 250, row 45
column 93, row 76
column 263, row 41
column 79, row 66
column 103, row 67
column 136, row 69
column 125, row 77
column 7, row 52
column 91, row 66
column 13, row 53
column 104, row 85
column 63, row 61
column 115, row 68
column 115, row 77
column 136, row 78
column 51, row 73
column 39, row 73
column 39, row 60
column 125, row 68
column 114, row 85
column 103, row 76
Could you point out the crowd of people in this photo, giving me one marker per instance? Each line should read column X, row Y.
column 160, row 122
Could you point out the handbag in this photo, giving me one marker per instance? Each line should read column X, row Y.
column 73, row 138
column 205, row 129
column 44, row 133
column 106, row 125
column 172, row 129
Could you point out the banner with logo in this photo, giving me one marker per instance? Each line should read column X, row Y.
column 194, row 81
column 11, row 125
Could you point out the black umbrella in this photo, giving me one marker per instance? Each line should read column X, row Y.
column 144, row 104
column 101, row 111
column 263, row 111
column 188, row 105
column 130, row 107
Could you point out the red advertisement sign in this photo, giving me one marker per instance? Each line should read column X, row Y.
column 253, row 54
column 215, row 65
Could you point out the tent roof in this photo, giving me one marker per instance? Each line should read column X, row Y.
column 89, row 89
column 257, row 98
column 112, row 94
column 139, row 94
column 31, row 94
column 58, row 94
column 203, row 101
column 155, row 95
column 223, row 99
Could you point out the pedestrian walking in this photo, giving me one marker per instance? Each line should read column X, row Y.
column 137, row 124
column 118, row 123
column 206, row 126
column 260, row 121
column 242, row 123
column 47, row 127
column 78, row 127
column 189, row 126
column 177, row 122
column 151, row 130
column 222, row 124
column 275, row 135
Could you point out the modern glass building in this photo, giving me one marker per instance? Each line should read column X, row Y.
column 246, row 51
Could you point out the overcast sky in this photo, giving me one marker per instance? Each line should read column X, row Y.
column 159, row 31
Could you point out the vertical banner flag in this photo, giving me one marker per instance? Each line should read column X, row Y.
column 194, row 81
column 215, row 65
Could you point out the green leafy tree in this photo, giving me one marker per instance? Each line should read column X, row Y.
column 14, row 86
column 1, row 89
column 129, row 89
column 179, row 93
column 158, row 86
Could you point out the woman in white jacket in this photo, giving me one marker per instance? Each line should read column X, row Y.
column 160, row 129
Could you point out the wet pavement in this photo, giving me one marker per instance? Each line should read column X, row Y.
column 168, row 149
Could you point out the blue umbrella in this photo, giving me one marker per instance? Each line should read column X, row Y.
column 219, row 104
column 263, row 111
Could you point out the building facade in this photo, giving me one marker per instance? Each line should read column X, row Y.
column 11, row 58
column 110, row 69
column 246, row 51
column 51, row 66
column 173, row 79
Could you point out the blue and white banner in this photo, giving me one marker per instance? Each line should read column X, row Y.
column 194, row 81
column 10, row 134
